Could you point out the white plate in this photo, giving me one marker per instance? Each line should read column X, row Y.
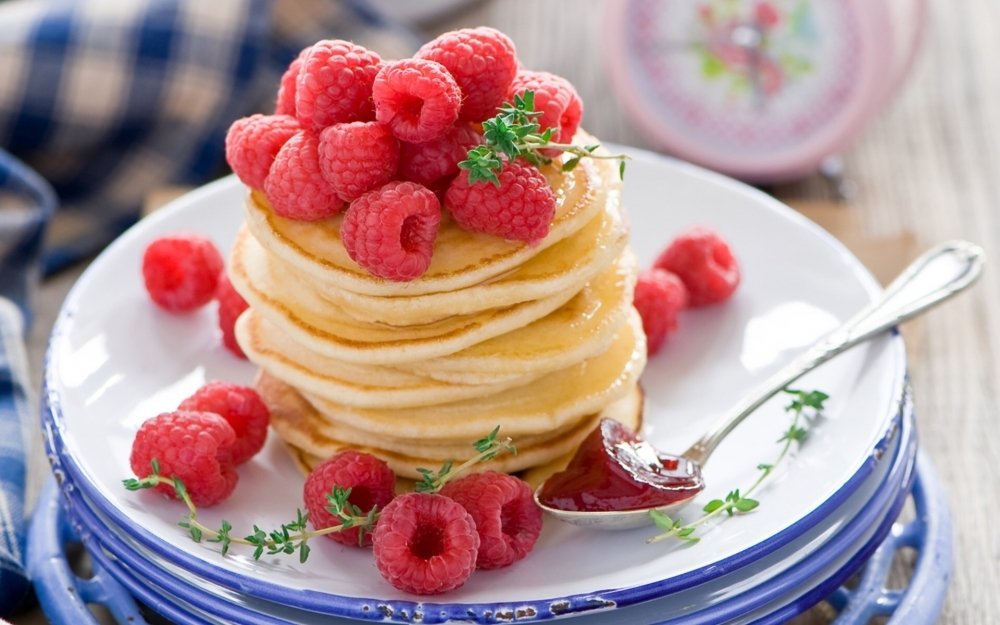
column 116, row 360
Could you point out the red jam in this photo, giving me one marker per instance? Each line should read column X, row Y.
column 615, row 470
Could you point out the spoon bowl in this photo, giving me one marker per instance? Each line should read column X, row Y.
column 635, row 517
column 609, row 519
column 934, row 277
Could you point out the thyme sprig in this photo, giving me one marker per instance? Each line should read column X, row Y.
column 294, row 536
column 289, row 538
column 488, row 448
column 804, row 406
column 515, row 132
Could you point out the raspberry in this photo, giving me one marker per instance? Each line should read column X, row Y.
column 189, row 446
column 335, row 84
column 417, row 99
column 285, row 101
column 181, row 271
column 521, row 208
column 659, row 297
column 425, row 544
column 482, row 61
column 507, row 519
column 242, row 408
column 390, row 231
column 295, row 187
column 372, row 484
column 436, row 161
column 357, row 157
column 231, row 306
column 556, row 100
column 705, row 264
column 252, row 143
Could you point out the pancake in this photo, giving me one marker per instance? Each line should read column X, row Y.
column 309, row 447
column 371, row 386
column 579, row 329
column 458, row 448
column 547, row 403
column 564, row 267
column 307, row 319
column 583, row 327
column 461, row 258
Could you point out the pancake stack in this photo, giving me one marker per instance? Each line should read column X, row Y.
column 539, row 339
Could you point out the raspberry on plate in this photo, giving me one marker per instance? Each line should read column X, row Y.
column 189, row 446
column 520, row 209
column 659, row 298
column 231, row 306
column 253, row 142
column 507, row 519
column 704, row 262
column 418, row 99
column 242, row 408
column 391, row 231
column 295, row 187
column 372, row 484
column 334, row 84
column 181, row 271
column 425, row 544
column 555, row 98
column 434, row 162
column 356, row 157
column 482, row 61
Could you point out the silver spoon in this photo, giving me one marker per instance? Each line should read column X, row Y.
column 932, row 278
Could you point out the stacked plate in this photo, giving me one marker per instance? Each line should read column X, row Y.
column 115, row 360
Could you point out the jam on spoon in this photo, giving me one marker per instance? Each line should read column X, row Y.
column 615, row 470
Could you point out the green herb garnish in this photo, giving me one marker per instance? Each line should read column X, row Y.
column 515, row 133
column 804, row 406
column 488, row 447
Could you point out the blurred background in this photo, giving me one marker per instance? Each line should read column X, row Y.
column 879, row 119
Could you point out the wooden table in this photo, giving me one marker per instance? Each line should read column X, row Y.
column 928, row 169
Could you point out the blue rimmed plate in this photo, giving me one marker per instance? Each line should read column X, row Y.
column 813, row 562
column 115, row 360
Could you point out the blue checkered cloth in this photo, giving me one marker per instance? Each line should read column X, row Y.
column 26, row 206
column 107, row 101
column 26, row 203
column 16, row 434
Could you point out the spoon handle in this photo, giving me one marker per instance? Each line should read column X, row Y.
column 932, row 278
